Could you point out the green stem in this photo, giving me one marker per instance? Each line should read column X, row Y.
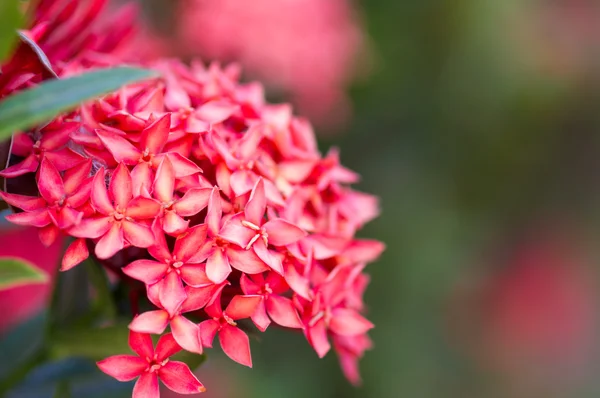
column 104, row 303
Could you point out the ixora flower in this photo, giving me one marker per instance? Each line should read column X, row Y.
column 229, row 214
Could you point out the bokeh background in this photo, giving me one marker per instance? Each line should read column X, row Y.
column 476, row 122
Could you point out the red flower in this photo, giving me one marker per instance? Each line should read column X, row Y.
column 233, row 340
column 280, row 309
column 151, row 365
column 121, row 217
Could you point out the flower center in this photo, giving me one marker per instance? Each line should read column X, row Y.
column 146, row 156
column 154, row 365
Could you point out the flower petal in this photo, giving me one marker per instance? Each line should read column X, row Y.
column 137, row 234
column 37, row 218
column 166, row 347
column 50, row 183
column 347, row 322
column 173, row 224
column 27, row 203
column 171, row 293
column 194, row 275
column 141, row 344
column 91, row 228
column 235, row 345
column 235, row 232
column 99, row 196
column 257, row 205
column 178, row 377
column 147, row 271
column 75, row 254
column 194, row 201
column 283, row 312
column 141, row 208
column 153, row 322
column 242, row 306
column 189, row 243
column 121, row 149
column 155, row 136
column 187, row 334
column 110, row 243
column 260, row 318
column 213, row 216
column 317, row 337
column 265, row 254
column 146, row 386
column 245, row 260
column 123, row 367
column 120, row 186
column 217, row 266
column 164, row 182
column 208, row 331
column 283, row 233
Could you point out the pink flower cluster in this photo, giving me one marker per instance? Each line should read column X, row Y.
column 222, row 200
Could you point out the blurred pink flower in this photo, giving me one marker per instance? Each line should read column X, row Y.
column 20, row 303
column 307, row 48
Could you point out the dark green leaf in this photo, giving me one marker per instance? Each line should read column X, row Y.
column 41, row 103
column 17, row 272
column 11, row 19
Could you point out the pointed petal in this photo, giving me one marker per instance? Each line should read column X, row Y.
column 260, row 318
column 282, row 311
column 160, row 250
column 173, row 224
column 166, row 347
column 99, row 196
column 26, row 203
column 91, row 228
column 121, row 149
column 189, row 243
column 147, row 271
column 216, row 111
column 241, row 307
column 110, row 243
column 50, row 183
column 75, row 254
column 37, row 218
column 194, row 201
column 347, row 322
column 67, row 217
column 283, row 233
column 146, row 386
column 141, row 344
column 194, row 275
column 29, row 165
column 155, row 136
column 120, row 186
column 245, row 260
column 235, row 345
column 248, row 285
column 213, row 216
column 198, row 298
column 123, row 367
column 48, row 234
column 75, row 177
column 208, row 331
column 153, row 322
column 183, row 166
column 64, row 159
column 272, row 261
column 142, row 208
column 235, row 232
column 142, row 177
column 317, row 337
column 164, row 183
column 187, row 334
column 257, row 205
column 178, row 377
column 137, row 234
column 217, row 266
column 171, row 293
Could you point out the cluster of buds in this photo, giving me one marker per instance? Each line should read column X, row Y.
column 224, row 206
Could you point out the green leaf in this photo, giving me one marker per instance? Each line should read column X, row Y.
column 52, row 97
column 17, row 272
column 11, row 19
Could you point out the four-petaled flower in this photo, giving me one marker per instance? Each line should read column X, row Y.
column 150, row 365
column 234, row 341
